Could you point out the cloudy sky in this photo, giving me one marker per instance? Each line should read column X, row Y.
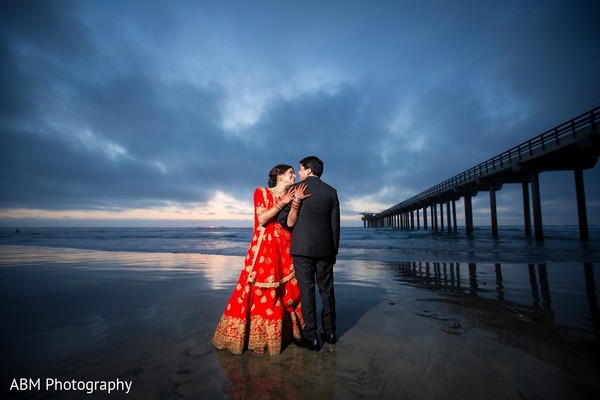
column 140, row 113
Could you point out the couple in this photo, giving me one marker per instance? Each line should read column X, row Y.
column 294, row 244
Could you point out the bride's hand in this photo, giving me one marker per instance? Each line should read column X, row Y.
column 299, row 192
column 289, row 195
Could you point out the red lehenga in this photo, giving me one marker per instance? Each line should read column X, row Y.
column 264, row 309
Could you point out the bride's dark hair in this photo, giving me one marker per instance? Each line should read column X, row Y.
column 275, row 172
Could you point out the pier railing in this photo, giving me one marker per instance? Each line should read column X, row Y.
column 551, row 139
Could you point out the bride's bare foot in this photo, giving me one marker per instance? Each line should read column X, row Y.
column 259, row 350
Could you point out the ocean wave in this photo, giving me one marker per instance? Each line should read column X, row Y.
column 374, row 244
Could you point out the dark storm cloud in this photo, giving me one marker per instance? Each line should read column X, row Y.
column 117, row 105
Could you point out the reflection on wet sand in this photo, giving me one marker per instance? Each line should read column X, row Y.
column 295, row 374
column 538, row 305
column 539, row 314
column 590, row 289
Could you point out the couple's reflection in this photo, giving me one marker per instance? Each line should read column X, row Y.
column 294, row 374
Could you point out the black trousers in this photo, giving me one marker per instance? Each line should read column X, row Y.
column 308, row 271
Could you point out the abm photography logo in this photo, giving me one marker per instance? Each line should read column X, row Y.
column 54, row 384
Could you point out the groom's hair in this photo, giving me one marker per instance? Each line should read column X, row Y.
column 314, row 163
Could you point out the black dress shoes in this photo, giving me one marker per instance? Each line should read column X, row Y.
column 312, row 345
column 331, row 339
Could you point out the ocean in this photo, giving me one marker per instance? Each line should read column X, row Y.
column 561, row 243
column 556, row 280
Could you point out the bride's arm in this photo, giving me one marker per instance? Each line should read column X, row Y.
column 264, row 215
column 296, row 203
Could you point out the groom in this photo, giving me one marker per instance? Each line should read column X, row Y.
column 315, row 244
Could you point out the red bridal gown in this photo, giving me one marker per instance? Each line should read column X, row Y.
column 264, row 309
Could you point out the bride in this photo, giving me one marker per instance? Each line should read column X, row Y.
column 264, row 311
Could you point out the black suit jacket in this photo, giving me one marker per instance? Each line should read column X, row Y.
column 317, row 231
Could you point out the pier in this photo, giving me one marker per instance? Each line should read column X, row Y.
column 571, row 146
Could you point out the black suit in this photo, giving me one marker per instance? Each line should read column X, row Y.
column 315, row 244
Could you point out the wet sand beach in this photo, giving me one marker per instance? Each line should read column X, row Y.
column 148, row 318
